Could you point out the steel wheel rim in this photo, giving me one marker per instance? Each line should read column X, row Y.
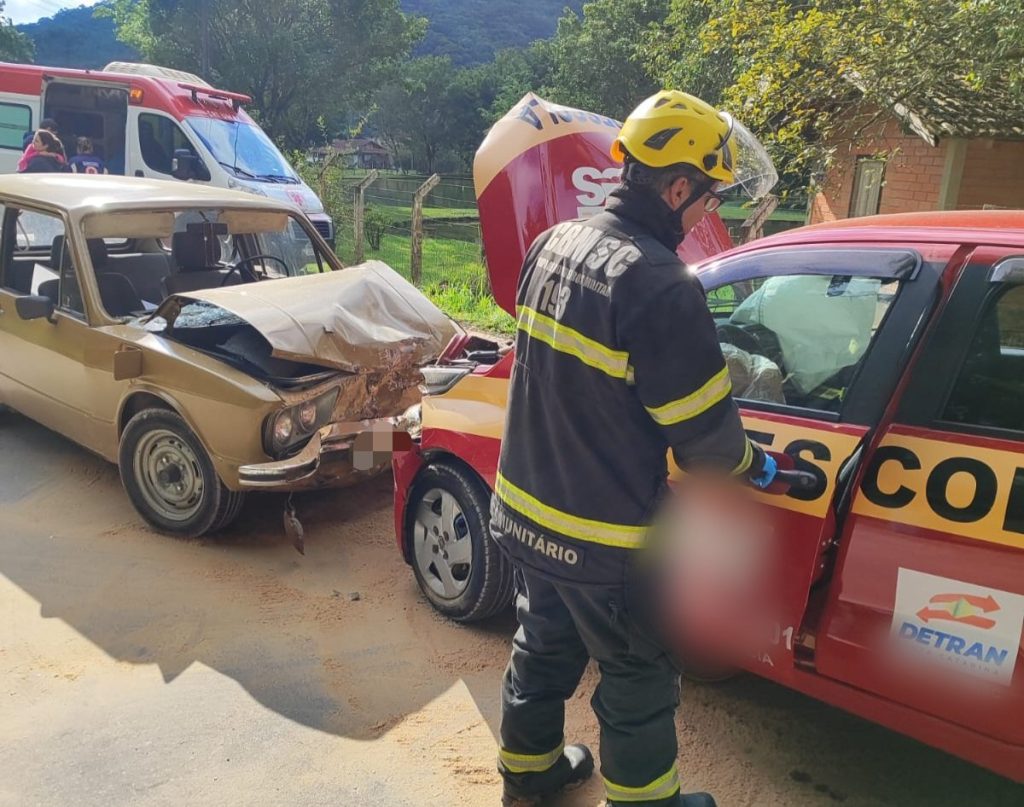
column 442, row 544
column 169, row 475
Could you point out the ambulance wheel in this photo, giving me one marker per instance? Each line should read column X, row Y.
column 460, row 570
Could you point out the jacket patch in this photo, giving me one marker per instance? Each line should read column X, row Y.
column 541, row 545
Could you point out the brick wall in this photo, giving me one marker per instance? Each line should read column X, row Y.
column 993, row 174
column 913, row 174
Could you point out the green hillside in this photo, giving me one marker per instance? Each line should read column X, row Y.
column 469, row 31
column 75, row 38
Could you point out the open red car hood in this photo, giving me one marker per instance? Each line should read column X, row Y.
column 542, row 164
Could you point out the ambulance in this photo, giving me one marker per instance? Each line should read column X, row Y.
column 883, row 356
column 151, row 121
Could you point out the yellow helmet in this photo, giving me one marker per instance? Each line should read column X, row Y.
column 672, row 127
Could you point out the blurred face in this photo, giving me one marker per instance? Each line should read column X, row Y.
column 37, row 141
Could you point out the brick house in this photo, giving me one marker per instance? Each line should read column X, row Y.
column 945, row 153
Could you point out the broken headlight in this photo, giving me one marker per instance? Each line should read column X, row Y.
column 439, row 378
column 294, row 425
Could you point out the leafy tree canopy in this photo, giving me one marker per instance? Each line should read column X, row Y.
column 14, row 46
column 296, row 58
column 811, row 74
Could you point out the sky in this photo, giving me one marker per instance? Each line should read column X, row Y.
column 31, row 10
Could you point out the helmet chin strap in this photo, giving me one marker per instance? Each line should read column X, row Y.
column 640, row 175
column 694, row 196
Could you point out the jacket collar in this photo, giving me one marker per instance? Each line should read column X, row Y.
column 649, row 211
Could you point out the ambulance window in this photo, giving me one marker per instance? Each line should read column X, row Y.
column 159, row 138
column 798, row 340
column 990, row 386
column 15, row 122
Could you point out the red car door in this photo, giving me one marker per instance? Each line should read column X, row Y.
column 816, row 337
column 927, row 602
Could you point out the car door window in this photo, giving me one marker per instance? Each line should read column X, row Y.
column 990, row 384
column 159, row 138
column 40, row 262
column 799, row 339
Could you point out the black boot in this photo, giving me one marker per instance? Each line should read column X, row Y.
column 678, row 800
column 575, row 766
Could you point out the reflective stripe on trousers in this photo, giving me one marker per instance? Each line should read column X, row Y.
column 661, row 788
column 529, row 763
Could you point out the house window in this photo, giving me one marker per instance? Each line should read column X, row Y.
column 867, row 187
column 15, row 121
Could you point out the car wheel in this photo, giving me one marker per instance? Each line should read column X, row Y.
column 169, row 476
column 460, row 570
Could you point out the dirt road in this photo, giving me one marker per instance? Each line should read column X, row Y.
column 141, row 670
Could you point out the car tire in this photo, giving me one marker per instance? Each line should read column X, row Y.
column 460, row 570
column 170, row 478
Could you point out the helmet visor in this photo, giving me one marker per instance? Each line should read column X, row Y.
column 752, row 168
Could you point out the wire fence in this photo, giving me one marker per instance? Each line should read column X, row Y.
column 451, row 245
column 450, row 265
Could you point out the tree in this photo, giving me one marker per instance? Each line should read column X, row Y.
column 14, row 46
column 599, row 59
column 435, row 111
column 812, row 75
column 299, row 59
column 680, row 58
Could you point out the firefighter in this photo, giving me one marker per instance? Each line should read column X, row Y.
column 617, row 361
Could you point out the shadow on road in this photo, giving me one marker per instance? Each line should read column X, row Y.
column 340, row 640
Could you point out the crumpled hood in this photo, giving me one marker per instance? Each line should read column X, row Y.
column 361, row 318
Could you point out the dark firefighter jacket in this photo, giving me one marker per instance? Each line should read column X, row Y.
column 617, row 361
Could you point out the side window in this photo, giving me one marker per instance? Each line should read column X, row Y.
column 15, row 121
column 41, row 261
column 159, row 138
column 990, row 386
column 295, row 252
column 798, row 340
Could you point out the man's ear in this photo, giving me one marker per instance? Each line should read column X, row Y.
column 679, row 191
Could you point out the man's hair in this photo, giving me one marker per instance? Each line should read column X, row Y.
column 84, row 145
column 660, row 179
column 49, row 124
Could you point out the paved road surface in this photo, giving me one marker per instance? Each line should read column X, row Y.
column 146, row 671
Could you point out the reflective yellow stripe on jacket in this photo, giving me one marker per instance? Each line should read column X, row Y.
column 661, row 788
column 623, row 536
column 695, row 403
column 566, row 340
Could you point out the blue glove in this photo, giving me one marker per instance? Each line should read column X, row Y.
column 767, row 475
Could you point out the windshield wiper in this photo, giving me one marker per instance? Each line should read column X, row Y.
column 278, row 178
column 237, row 170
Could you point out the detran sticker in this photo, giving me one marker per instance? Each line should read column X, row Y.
column 973, row 629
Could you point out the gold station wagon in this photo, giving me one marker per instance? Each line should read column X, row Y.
column 207, row 341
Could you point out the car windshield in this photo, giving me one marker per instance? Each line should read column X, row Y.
column 156, row 253
column 243, row 148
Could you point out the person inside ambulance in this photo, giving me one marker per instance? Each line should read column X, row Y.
column 617, row 361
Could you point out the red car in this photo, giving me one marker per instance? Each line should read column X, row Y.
column 885, row 356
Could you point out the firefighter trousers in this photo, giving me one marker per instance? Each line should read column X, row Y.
column 561, row 626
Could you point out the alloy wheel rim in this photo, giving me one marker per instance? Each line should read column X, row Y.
column 442, row 544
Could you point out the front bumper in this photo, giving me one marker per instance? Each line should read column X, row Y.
column 339, row 454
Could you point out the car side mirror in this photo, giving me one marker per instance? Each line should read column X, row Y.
column 34, row 306
column 186, row 166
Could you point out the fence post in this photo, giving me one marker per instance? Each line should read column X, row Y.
column 753, row 227
column 416, row 258
column 357, row 212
